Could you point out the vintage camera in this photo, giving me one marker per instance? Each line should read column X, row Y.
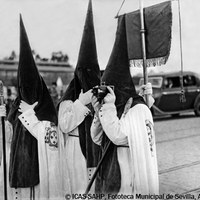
column 101, row 91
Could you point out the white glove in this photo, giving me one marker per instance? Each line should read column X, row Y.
column 151, row 101
column 85, row 98
column 110, row 97
column 25, row 106
column 147, row 90
column 3, row 110
column 96, row 105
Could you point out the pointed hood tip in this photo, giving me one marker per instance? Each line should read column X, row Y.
column 90, row 4
column 20, row 19
column 26, row 57
column 89, row 8
column 87, row 58
column 118, row 62
column 117, row 71
column 89, row 75
column 31, row 86
column 88, row 49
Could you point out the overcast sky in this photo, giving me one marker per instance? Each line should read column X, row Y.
column 54, row 25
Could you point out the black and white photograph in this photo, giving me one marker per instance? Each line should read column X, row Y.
column 99, row 99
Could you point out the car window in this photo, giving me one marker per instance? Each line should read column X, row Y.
column 172, row 82
column 189, row 80
column 155, row 81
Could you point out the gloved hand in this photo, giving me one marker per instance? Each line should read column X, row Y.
column 147, row 90
column 3, row 110
column 151, row 101
column 25, row 106
column 96, row 105
column 85, row 98
column 110, row 97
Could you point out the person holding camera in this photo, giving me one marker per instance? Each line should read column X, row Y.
column 135, row 124
column 123, row 127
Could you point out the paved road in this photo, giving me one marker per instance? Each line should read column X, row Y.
column 178, row 150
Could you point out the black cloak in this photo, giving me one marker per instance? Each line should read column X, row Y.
column 24, row 166
column 117, row 74
column 86, row 76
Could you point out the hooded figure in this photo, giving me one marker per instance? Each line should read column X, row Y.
column 24, row 169
column 76, row 113
column 116, row 173
column 87, row 72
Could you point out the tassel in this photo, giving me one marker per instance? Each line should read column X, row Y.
column 150, row 62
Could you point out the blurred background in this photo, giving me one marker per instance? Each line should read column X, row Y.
column 55, row 28
column 57, row 25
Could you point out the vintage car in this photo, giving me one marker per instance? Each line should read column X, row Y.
column 168, row 96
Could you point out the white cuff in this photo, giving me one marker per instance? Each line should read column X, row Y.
column 107, row 108
column 82, row 108
column 26, row 116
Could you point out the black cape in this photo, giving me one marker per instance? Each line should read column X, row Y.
column 24, row 166
column 116, row 73
column 86, row 76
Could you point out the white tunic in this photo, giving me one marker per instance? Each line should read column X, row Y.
column 70, row 116
column 52, row 177
column 138, row 163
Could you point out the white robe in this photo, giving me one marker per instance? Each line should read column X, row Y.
column 138, row 163
column 54, row 182
column 70, row 116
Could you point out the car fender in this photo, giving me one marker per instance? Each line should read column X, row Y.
column 197, row 105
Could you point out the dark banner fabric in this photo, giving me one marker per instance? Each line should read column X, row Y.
column 157, row 24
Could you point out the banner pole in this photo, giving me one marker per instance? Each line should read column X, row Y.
column 182, row 96
column 142, row 32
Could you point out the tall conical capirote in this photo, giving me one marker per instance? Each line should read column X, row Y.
column 87, row 72
column 117, row 73
column 87, row 68
column 24, row 167
column 86, row 76
column 31, row 86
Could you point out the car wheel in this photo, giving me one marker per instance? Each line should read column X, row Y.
column 197, row 107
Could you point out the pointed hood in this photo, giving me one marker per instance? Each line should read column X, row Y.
column 28, row 78
column 117, row 71
column 117, row 74
column 31, row 86
column 87, row 72
column 24, row 168
column 86, row 76
column 87, row 69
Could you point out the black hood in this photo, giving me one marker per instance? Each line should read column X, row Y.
column 24, row 167
column 117, row 71
column 31, row 86
column 117, row 74
column 87, row 72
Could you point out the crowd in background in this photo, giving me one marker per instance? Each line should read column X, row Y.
column 10, row 93
column 57, row 56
